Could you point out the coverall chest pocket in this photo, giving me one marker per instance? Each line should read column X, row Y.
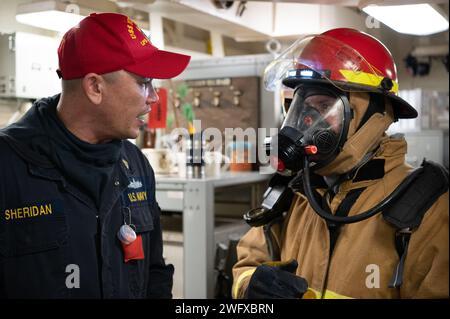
column 141, row 218
column 33, row 253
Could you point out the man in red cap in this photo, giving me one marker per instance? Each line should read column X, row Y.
column 79, row 215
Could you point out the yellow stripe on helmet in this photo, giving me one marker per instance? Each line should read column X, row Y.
column 365, row 78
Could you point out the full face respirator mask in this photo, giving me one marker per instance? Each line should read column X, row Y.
column 312, row 135
column 315, row 128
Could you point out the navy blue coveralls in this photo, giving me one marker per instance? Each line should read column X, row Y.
column 50, row 231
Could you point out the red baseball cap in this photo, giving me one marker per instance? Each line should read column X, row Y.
column 108, row 42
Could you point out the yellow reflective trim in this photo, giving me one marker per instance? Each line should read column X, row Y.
column 314, row 294
column 276, row 263
column 238, row 283
column 364, row 78
column 332, row 295
column 311, row 294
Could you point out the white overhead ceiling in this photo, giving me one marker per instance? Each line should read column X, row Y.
column 259, row 21
column 265, row 19
column 330, row 2
column 356, row 2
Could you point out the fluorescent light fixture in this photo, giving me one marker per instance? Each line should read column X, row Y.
column 51, row 20
column 61, row 16
column 51, row 15
column 416, row 19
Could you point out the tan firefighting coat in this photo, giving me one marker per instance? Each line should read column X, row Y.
column 364, row 257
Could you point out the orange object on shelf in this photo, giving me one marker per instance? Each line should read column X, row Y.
column 240, row 157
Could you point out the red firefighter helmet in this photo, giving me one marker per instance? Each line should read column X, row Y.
column 349, row 59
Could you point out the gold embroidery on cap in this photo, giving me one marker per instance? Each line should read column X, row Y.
column 144, row 42
column 130, row 29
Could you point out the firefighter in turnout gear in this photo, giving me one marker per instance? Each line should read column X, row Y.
column 362, row 223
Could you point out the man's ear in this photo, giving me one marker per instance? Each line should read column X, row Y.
column 94, row 87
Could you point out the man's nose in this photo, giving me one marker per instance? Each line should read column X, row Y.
column 152, row 96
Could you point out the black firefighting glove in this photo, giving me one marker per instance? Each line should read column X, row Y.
column 276, row 280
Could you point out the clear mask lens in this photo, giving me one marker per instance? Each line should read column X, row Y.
column 319, row 117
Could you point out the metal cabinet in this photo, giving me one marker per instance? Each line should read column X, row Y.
column 224, row 229
column 28, row 64
column 195, row 199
